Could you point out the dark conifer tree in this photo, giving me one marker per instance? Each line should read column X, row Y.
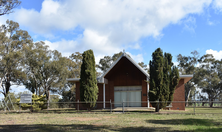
column 156, row 77
column 163, row 79
column 88, row 82
column 174, row 79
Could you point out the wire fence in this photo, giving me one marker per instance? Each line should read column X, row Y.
column 174, row 107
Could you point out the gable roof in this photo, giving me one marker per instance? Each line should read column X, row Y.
column 131, row 60
column 101, row 79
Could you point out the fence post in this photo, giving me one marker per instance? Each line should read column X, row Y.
column 123, row 106
column 158, row 104
column 6, row 105
column 78, row 106
column 110, row 106
column 194, row 106
column 19, row 107
column 31, row 108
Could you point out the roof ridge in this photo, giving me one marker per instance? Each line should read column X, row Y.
column 130, row 59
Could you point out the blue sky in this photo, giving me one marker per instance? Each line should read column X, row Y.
column 109, row 26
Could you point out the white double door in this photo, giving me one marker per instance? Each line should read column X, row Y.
column 130, row 95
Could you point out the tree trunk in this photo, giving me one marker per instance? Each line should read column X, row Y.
column 211, row 103
column 157, row 107
column 7, row 87
column 203, row 103
column 188, row 95
column 39, row 91
column 48, row 99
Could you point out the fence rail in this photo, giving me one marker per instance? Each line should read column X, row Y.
column 174, row 107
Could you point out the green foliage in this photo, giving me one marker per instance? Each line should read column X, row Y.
column 208, row 77
column 144, row 66
column 46, row 70
column 74, row 65
column 7, row 6
column 38, row 103
column 156, row 77
column 174, row 79
column 35, row 56
column 13, row 97
column 163, row 78
column 187, row 65
column 12, row 42
column 106, row 62
column 67, row 96
column 54, row 99
column 88, row 82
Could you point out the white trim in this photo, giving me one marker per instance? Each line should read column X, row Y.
column 104, row 96
column 73, row 79
column 148, row 100
column 186, row 76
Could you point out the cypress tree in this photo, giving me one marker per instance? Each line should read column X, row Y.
column 163, row 79
column 156, row 77
column 174, row 80
column 88, row 82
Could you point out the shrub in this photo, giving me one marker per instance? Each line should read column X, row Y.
column 38, row 103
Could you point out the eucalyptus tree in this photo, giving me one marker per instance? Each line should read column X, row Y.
column 53, row 73
column 208, row 77
column 106, row 61
column 12, row 42
column 143, row 65
column 74, row 63
column 6, row 6
column 35, row 55
column 46, row 70
column 187, row 65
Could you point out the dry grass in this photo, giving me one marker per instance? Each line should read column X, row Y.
column 104, row 121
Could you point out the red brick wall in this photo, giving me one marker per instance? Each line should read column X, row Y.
column 144, row 93
column 179, row 95
column 100, row 97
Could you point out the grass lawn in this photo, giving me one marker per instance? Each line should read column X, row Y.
column 70, row 120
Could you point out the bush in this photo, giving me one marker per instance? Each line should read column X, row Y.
column 38, row 103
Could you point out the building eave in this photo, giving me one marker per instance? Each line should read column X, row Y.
column 186, row 77
column 73, row 79
column 99, row 80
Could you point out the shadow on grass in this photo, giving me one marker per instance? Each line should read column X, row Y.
column 190, row 121
column 75, row 127
column 73, row 110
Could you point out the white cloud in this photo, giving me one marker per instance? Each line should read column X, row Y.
column 16, row 89
column 217, row 54
column 190, row 24
column 210, row 23
column 109, row 23
column 217, row 4
column 138, row 58
column 100, row 44
column 134, row 46
column 109, row 26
